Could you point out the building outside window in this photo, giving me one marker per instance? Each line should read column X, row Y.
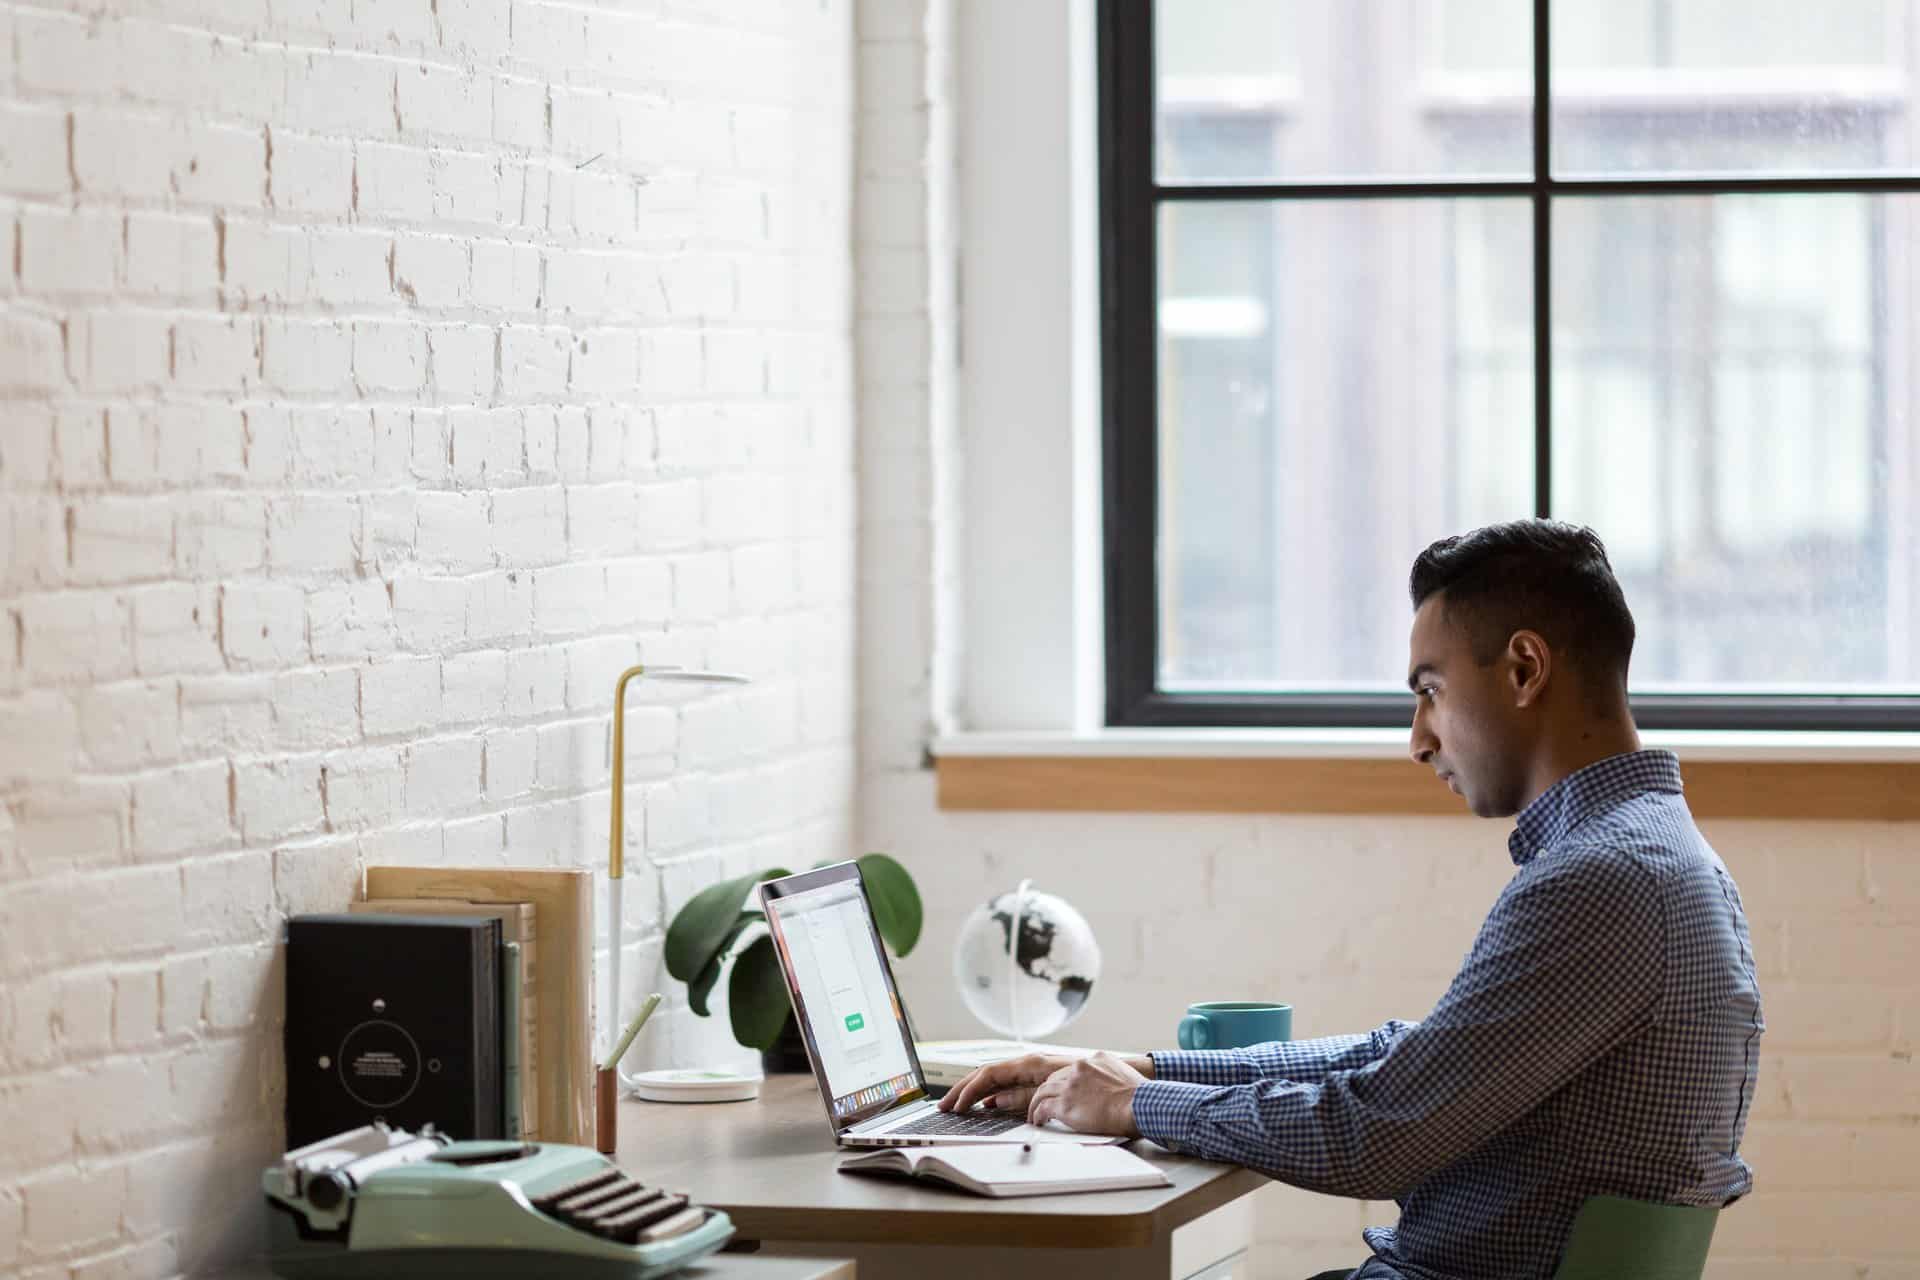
column 1342, row 200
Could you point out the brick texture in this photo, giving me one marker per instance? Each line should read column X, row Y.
column 379, row 379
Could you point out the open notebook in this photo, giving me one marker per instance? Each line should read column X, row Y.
column 1038, row 1169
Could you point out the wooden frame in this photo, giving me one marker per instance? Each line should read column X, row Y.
column 1880, row 791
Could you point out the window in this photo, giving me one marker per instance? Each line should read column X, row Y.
column 1365, row 287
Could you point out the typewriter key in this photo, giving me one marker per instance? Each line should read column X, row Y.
column 551, row 1198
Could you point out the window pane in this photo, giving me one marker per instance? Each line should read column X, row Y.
column 1719, row 86
column 1270, row 90
column 1733, row 403
column 1340, row 384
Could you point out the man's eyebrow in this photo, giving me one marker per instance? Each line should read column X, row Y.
column 1425, row 668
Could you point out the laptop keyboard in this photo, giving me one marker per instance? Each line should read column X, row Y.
column 969, row 1124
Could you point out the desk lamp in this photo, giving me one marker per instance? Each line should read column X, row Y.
column 616, row 851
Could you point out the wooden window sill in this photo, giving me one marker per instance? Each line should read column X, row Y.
column 1858, row 776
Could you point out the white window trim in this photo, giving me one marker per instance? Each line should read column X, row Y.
column 1030, row 367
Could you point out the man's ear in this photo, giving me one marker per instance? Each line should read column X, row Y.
column 1529, row 664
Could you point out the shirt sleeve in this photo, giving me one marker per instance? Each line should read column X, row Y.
column 1279, row 1060
column 1568, row 966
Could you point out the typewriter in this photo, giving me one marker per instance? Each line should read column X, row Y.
column 378, row 1201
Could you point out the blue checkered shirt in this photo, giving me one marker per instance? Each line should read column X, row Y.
column 1601, row 1038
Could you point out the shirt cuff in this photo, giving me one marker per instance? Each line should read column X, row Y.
column 1166, row 1110
column 1202, row 1066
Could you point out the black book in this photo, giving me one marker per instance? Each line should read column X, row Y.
column 393, row 1018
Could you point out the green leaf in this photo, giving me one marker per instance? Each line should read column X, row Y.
column 896, row 903
column 757, row 996
column 701, row 929
column 700, row 987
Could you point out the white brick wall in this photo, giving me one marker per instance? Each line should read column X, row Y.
column 378, row 377
column 1211, row 907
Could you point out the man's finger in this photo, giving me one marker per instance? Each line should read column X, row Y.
column 1015, row 1099
column 947, row 1100
column 951, row 1098
column 1044, row 1100
column 968, row 1091
column 986, row 1080
column 1028, row 1070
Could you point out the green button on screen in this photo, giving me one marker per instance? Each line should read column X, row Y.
column 855, row 1022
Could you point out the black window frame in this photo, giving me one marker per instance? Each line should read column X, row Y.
column 1129, row 201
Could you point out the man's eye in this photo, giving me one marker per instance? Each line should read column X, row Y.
column 1427, row 691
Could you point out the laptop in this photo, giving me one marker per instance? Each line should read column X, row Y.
column 855, row 1027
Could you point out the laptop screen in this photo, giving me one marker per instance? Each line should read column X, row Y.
column 843, row 991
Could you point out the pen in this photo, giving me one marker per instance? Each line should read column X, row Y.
column 633, row 1029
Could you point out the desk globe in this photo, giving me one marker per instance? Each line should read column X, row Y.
column 1025, row 963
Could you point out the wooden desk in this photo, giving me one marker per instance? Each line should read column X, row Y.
column 770, row 1164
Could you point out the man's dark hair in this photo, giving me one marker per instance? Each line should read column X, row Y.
column 1535, row 575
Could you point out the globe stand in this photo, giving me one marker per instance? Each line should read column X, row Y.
column 1020, row 894
column 1013, row 965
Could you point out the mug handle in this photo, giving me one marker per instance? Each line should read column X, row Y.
column 1195, row 1032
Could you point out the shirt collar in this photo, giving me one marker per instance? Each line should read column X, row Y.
column 1585, row 792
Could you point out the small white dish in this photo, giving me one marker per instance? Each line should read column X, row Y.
column 695, row 1084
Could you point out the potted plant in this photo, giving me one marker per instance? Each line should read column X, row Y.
column 717, row 923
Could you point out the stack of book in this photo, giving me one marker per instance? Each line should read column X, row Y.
column 452, row 996
column 557, row 998
column 398, row 1018
column 517, row 922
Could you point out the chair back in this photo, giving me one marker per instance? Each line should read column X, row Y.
column 1616, row 1239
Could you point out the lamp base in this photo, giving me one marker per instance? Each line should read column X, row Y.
column 606, row 1110
column 695, row 1084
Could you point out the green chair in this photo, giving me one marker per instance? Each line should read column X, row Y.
column 1616, row 1239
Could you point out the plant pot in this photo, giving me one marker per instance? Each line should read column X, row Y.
column 789, row 1052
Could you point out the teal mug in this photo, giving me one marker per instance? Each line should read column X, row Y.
column 1234, row 1024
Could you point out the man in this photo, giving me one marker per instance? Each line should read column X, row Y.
column 1601, row 1037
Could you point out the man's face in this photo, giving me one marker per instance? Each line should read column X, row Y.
column 1466, row 725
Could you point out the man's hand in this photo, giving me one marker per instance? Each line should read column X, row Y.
column 1004, row 1086
column 1090, row 1095
column 1010, row 1085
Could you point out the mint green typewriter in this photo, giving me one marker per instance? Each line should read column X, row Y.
column 377, row 1201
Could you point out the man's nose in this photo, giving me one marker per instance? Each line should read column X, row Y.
column 1423, row 744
